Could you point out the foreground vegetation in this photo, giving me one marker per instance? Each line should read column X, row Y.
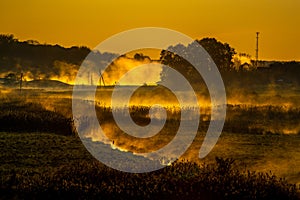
column 48, row 166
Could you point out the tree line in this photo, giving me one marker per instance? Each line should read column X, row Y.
column 45, row 61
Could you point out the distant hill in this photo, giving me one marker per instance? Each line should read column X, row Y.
column 36, row 84
column 44, row 61
column 46, row 84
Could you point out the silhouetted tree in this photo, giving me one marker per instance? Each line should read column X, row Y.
column 220, row 53
column 7, row 39
column 140, row 57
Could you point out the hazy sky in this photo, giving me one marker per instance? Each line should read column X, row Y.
column 78, row 22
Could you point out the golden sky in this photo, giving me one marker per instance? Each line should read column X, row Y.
column 79, row 22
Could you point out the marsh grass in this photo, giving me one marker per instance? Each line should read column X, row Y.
column 43, row 158
column 21, row 116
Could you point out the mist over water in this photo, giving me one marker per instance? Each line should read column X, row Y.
column 262, row 136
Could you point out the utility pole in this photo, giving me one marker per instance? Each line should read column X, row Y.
column 21, row 79
column 256, row 61
column 92, row 83
column 90, row 78
column 101, row 79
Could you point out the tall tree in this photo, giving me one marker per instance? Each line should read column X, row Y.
column 220, row 53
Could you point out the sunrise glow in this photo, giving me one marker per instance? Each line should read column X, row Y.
column 74, row 22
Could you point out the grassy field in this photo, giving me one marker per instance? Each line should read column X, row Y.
column 43, row 165
column 264, row 153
